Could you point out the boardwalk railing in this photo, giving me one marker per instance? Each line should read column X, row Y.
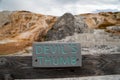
column 17, row 67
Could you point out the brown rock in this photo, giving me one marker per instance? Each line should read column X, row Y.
column 28, row 26
column 102, row 20
column 24, row 27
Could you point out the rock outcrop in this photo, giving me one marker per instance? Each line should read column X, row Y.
column 4, row 18
column 113, row 29
column 23, row 25
column 66, row 25
column 21, row 28
column 102, row 20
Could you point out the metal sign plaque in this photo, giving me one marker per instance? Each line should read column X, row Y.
column 56, row 54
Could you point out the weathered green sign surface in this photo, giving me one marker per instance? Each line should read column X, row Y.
column 56, row 54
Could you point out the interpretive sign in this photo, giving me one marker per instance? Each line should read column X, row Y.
column 56, row 54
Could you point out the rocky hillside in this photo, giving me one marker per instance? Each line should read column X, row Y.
column 24, row 25
column 102, row 20
column 19, row 29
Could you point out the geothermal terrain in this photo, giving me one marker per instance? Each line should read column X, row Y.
column 98, row 33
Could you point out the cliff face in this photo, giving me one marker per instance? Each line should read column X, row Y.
column 102, row 20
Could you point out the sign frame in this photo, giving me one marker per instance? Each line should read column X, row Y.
column 60, row 59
